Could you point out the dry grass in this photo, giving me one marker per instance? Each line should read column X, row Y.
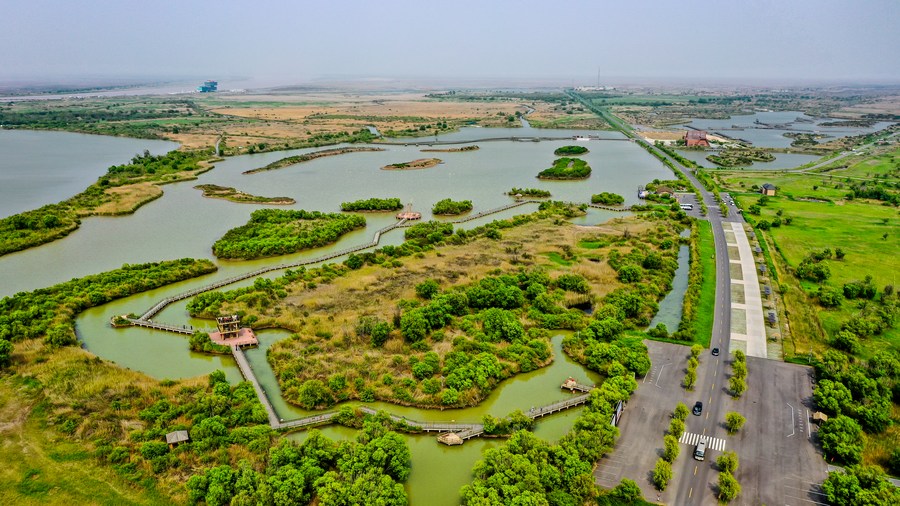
column 126, row 199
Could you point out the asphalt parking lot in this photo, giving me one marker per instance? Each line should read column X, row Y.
column 779, row 462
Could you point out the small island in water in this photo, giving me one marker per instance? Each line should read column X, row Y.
column 566, row 168
column 421, row 163
column 215, row 191
column 571, row 151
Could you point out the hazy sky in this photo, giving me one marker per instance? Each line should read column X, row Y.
column 751, row 40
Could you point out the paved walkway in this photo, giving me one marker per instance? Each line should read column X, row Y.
column 751, row 336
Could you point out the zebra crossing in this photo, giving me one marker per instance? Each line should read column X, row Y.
column 713, row 443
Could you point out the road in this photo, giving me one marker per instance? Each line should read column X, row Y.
column 780, row 463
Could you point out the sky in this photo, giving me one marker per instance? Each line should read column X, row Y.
column 746, row 41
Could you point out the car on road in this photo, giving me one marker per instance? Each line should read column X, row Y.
column 715, row 352
column 698, row 408
column 700, row 450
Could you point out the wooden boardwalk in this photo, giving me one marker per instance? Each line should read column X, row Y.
column 159, row 306
column 609, row 208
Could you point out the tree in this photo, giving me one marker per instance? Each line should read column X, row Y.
column 662, row 473
column 729, row 488
column 681, row 412
column 832, row 397
column 734, row 421
column 737, row 386
column 690, row 379
column 860, row 485
column 427, row 289
column 727, row 462
column 630, row 273
column 676, row 428
column 380, row 333
column 413, row 325
column 696, row 350
column 6, row 349
column 627, row 491
column 842, row 437
column 670, row 448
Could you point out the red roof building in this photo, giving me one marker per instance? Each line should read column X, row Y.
column 696, row 138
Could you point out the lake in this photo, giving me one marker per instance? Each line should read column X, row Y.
column 40, row 168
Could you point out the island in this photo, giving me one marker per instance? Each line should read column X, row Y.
column 528, row 192
column 571, row 151
column 566, row 168
column 736, row 157
column 273, row 232
column 451, row 207
column 607, row 199
column 215, row 191
column 421, row 163
column 451, row 150
column 293, row 160
column 372, row 205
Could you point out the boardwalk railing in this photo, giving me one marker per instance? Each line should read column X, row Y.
column 159, row 306
column 183, row 329
column 609, row 208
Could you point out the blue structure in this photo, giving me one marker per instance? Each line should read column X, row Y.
column 208, row 86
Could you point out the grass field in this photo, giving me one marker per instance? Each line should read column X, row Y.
column 41, row 465
column 706, row 308
column 858, row 227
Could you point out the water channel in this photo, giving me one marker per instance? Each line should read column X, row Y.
column 773, row 125
column 184, row 224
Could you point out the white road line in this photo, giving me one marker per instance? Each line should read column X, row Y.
column 807, row 490
column 808, row 429
column 713, row 443
column 660, row 374
column 806, row 500
column 792, row 420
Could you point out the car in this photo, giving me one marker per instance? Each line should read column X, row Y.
column 698, row 408
column 715, row 352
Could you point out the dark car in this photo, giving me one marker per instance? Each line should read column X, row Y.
column 715, row 352
column 698, row 408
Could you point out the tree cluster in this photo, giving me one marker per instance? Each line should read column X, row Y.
column 372, row 204
column 450, row 207
column 607, row 199
column 370, row 469
column 273, row 232
column 50, row 312
column 566, row 168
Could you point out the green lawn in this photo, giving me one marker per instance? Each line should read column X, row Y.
column 707, row 306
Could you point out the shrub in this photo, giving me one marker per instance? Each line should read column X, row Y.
column 676, row 428
column 671, row 449
column 734, row 421
column 737, row 386
column 729, row 488
column 727, row 462
column 681, row 412
column 662, row 473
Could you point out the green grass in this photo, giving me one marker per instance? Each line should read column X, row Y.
column 707, row 306
column 558, row 259
column 40, row 468
column 592, row 244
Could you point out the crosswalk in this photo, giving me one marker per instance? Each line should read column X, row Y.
column 713, row 443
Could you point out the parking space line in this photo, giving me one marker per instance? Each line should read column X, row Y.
column 658, row 376
column 806, row 500
column 792, row 421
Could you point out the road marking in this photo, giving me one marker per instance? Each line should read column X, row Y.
column 707, row 417
column 690, row 492
column 712, row 443
column 712, row 386
column 792, row 420
column 808, row 429
column 660, row 374
column 695, row 470
column 806, row 500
